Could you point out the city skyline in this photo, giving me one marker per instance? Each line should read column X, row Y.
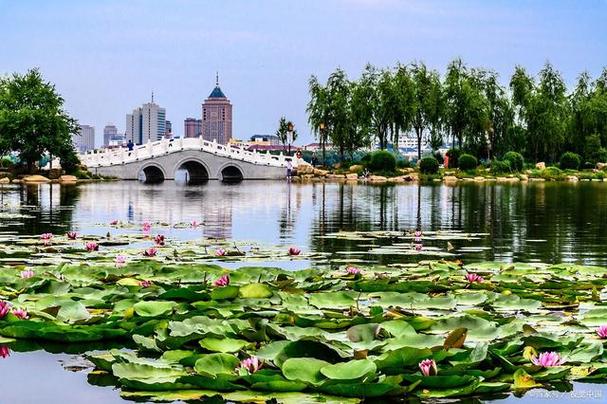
column 263, row 52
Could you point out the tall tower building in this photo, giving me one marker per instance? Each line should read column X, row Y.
column 217, row 116
column 192, row 127
column 84, row 140
column 110, row 132
column 146, row 124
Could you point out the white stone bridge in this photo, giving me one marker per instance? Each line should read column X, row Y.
column 202, row 159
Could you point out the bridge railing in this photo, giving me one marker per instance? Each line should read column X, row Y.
column 118, row 156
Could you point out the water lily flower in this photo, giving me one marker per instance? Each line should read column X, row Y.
column 26, row 274
column 194, row 223
column 150, row 252
column 220, row 252
column 223, row 280
column 120, row 261
column 5, row 308
column 4, row 351
column 146, row 227
column 418, row 247
column 20, row 313
column 91, row 246
column 145, row 283
column 602, row 331
column 251, row 365
column 159, row 240
column 547, row 360
column 428, row 367
column 294, row 251
column 71, row 235
column 353, row 270
column 472, row 277
column 114, row 222
column 46, row 238
column 418, row 236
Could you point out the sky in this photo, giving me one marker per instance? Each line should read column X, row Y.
column 106, row 57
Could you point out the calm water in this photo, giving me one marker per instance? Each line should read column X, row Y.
column 549, row 222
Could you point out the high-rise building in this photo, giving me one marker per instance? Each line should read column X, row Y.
column 110, row 132
column 84, row 140
column 217, row 116
column 146, row 124
column 168, row 129
column 192, row 127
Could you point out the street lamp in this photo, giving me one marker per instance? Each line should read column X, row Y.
column 290, row 135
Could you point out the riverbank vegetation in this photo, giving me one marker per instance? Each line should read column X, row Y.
column 34, row 123
column 536, row 116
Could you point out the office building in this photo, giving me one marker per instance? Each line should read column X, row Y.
column 217, row 116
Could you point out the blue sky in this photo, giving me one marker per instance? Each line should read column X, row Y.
column 107, row 56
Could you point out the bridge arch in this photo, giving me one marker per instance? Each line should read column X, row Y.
column 153, row 173
column 197, row 170
column 231, row 172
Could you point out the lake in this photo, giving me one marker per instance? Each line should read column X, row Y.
column 548, row 222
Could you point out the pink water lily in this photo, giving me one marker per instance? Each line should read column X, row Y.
column 418, row 236
column 150, row 252
column 145, row 283
column 220, row 252
column 4, row 351
column 46, row 238
column 20, row 313
column 428, row 367
column 71, row 235
column 251, row 365
column 159, row 240
column 5, row 308
column 120, row 261
column 472, row 278
column 223, row 280
column 26, row 274
column 602, row 331
column 146, row 227
column 294, row 251
column 418, row 247
column 547, row 360
column 353, row 270
column 194, row 223
column 114, row 222
column 91, row 246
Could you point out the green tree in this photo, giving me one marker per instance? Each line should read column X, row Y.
column 422, row 102
column 32, row 119
column 318, row 113
column 283, row 131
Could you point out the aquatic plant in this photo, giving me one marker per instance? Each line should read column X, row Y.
column 223, row 280
column 294, row 251
column 250, row 365
column 5, row 308
column 473, row 278
column 547, row 359
column 150, row 252
column 20, row 313
column 159, row 240
column 428, row 367
column 26, row 273
column 220, row 252
column 602, row 331
column 91, row 246
column 71, row 235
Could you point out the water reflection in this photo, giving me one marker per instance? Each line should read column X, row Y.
column 550, row 222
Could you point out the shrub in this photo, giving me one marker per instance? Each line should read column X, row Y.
column 382, row 160
column 570, row 161
column 6, row 162
column 500, row 166
column 467, row 162
column 403, row 163
column 553, row 173
column 454, row 157
column 428, row 165
column 516, row 160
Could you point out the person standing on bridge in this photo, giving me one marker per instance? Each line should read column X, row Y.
column 130, row 145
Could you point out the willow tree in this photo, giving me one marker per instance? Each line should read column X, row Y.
column 318, row 113
column 424, row 101
column 32, row 119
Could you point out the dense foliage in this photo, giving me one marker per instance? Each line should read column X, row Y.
column 468, row 106
column 382, row 161
column 467, row 162
column 500, row 166
column 516, row 160
column 570, row 161
column 428, row 165
column 33, row 121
